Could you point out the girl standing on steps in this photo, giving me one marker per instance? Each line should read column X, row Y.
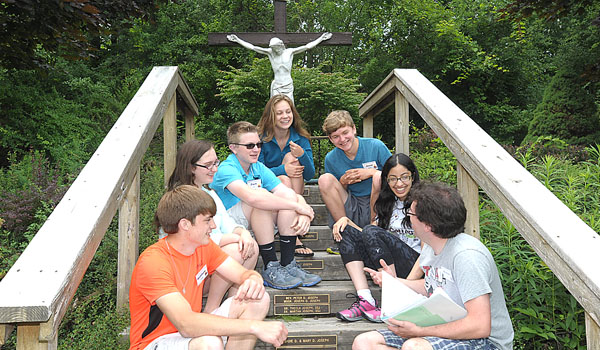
column 389, row 238
column 286, row 149
column 196, row 164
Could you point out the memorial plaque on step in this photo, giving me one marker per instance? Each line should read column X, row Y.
column 311, row 264
column 328, row 342
column 301, row 304
column 310, row 236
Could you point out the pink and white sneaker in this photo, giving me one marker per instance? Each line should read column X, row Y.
column 359, row 309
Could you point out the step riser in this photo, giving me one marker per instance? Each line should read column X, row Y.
column 330, row 334
column 312, row 195
column 325, row 299
column 318, row 238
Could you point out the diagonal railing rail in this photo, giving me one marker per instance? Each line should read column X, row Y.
column 562, row 240
column 37, row 290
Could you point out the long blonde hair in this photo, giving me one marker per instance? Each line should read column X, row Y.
column 266, row 125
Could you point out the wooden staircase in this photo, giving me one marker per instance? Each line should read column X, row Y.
column 314, row 325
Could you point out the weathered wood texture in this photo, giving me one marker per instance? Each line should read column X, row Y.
column 40, row 285
column 289, row 39
column 129, row 229
column 565, row 243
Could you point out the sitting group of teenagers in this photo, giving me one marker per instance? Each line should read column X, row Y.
column 216, row 219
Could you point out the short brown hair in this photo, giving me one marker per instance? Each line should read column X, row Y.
column 236, row 129
column 337, row 119
column 183, row 202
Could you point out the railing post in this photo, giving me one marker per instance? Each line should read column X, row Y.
column 592, row 332
column 402, row 123
column 5, row 331
column 368, row 125
column 129, row 228
column 31, row 336
column 470, row 193
column 170, row 137
column 189, row 125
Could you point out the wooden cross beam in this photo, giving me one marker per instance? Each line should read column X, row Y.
column 289, row 39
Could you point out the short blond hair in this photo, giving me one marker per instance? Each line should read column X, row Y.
column 337, row 119
column 238, row 128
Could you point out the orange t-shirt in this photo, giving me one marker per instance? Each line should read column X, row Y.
column 154, row 276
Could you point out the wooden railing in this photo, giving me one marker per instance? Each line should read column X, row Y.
column 563, row 241
column 37, row 290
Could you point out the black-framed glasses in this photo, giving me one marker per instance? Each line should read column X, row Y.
column 405, row 178
column 209, row 166
column 409, row 213
column 249, row 145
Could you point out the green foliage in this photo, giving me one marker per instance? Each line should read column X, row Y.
column 75, row 26
column 567, row 111
column 315, row 93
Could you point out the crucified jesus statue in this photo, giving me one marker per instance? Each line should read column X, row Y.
column 281, row 60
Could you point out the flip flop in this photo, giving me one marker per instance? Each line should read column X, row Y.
column 302, row 246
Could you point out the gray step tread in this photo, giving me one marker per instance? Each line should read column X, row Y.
column 318, row 238
column 326, row 298
column 322, row 333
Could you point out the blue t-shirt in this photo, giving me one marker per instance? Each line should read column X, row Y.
column 231, row 170
column 272, row 156
column 370, row 152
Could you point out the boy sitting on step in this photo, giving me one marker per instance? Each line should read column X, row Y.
column 254, row 197
column 459, row 264
column 165, row 297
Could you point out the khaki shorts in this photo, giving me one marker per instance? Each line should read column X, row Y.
column 175, row 341
column 237, row 214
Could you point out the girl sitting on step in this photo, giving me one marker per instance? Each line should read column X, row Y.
column 196, row 164
column 388, row 238
column 286, row 149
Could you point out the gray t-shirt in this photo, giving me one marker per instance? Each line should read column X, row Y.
column 465, row 269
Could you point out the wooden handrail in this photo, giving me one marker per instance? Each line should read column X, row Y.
column 562, row 240
column 37, row 290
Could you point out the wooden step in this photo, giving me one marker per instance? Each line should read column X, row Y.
column 312, row 194
column 321, row 215
column 327, row 333
column 326, row 299
column 328, row 266
column 318, row 238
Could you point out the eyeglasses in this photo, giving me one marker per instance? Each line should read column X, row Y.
column 249, row 145
column 408, row 213
column 209, row 166
column 405, row 178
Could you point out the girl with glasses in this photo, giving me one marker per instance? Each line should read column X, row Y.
column 389, row 237
column 196, row 164
column 286, row 149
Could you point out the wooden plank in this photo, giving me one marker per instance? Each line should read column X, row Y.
column 368, row 126
column 129, row 229
column 470, row 193
column 5, row 332
column 402, row 123
column 28, row 338
column 61, row 251
column 280, row 23
column 289, row 39
column 592, row 333
column 184, row 91
column 190, row 127
column 565, row 243
column 170, row 139
column 375, row 98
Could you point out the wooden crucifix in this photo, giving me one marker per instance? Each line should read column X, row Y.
column 281, row 58
column 290, row 39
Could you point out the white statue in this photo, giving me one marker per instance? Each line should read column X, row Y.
column 281, row 61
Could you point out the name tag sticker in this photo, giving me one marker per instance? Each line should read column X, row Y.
column 370, row 165
column 201, row 275
column 255, row 184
